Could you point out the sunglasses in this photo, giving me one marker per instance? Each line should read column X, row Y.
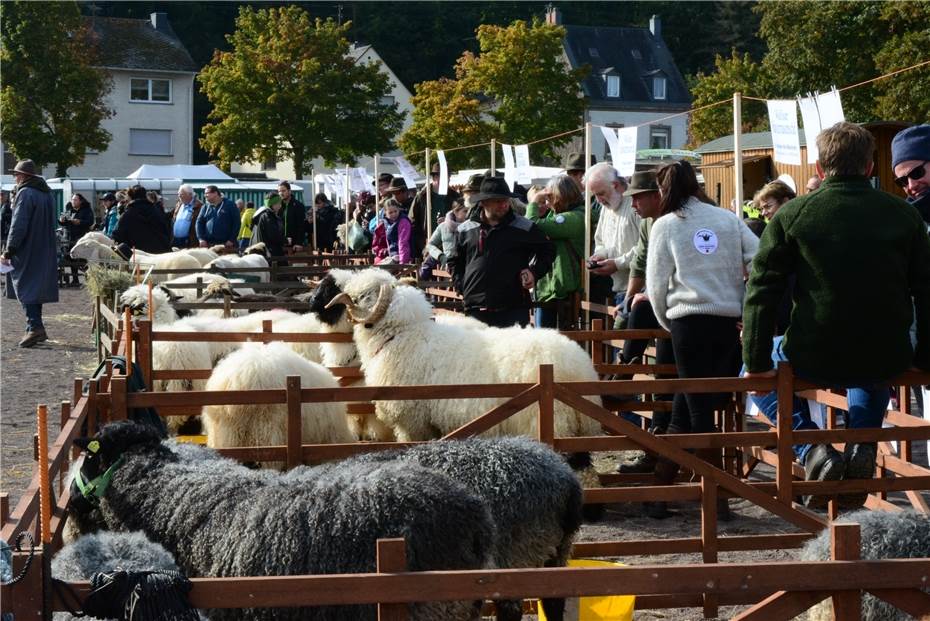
column 916, row 173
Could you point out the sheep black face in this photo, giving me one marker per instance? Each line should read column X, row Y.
column 103, row 454
column 324, row 293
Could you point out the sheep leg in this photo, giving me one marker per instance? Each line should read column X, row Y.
column 509, row 610
column 554, row 607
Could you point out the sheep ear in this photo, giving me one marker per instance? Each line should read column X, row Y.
column 84, row 443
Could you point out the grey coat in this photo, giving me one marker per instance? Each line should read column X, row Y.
column 32, row 246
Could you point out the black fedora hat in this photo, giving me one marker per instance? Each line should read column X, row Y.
column 492, row 187
column 397, row 185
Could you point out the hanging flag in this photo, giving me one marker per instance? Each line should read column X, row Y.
column 359, row 179
column 613, row 143
column 830, row 108
column 443, row 173
column 510, row 165
column 408, row 172
column 521, row 154
column 626, row 153
column 811, row 118
column 783, row 121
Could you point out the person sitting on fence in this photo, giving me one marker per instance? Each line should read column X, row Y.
column 832, row 241
column 391, row 243
column 559, row 213
column 698, row 254
column 268, row 226
column 442, row 243
column 141, row 226
column 246, row 213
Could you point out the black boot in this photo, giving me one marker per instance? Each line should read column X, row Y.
column 665, row 473
column 644, row 462
column 822, row 463
column 859, row 463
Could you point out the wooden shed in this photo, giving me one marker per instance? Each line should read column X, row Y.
column 759, row 166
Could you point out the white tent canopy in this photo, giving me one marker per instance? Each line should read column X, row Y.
column 205, row 172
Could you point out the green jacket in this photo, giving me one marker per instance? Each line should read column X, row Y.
column 638, row 267
column 861, row 260
column 566, row 231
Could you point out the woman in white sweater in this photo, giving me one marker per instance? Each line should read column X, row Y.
column 699, row 255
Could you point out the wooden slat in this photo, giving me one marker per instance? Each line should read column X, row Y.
column 782, row 605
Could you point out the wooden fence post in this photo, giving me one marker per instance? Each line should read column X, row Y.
column 294, row 427
column 785, row 391
column 119, row 388
column 392, row 558
column 597, row 347
column 845, row 546
column 63, row 472
column 45, row 485
column 709, row 536
column 144, row 351
column 546, row 422
column 127, row 332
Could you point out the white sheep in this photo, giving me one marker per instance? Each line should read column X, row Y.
column 246, row 323
column 254, row 257
column 399, row 344
column 263, row 367
column 92, row 247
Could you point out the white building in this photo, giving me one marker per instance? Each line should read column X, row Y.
column 152, row 98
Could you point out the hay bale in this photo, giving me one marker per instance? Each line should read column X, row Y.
column 106, row 282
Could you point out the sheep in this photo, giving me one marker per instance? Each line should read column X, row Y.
column 265, row 367
column 136, row 297
column 534, row 499
column 91, row 247
column 219, row 518
column 203, row 255
column 254, row 257
column 883, row 536
column 104, row 552
column 245, row 323
column 398, row 344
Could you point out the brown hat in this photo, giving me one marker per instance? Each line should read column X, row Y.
column 642, row 181
column 575, row 161
column 397, row 185
column 26, row 167
column 474, row 183
column 492, row 187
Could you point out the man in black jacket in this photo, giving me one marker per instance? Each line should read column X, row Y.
column 498, row 258
column 294, row 214
column 141, row 226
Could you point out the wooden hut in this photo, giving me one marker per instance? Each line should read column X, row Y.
column 760, row 167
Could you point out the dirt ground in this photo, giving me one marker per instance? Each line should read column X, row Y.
column 44, row 374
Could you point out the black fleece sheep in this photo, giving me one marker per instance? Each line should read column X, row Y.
column 221, row 519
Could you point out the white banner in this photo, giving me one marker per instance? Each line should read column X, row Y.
column 830, row 108
column 626, row 156
column 783, row 121
column 359, row 179
column 443, row 173
column 811, row 119
column 510, row 165
column 613, row 143
column 408, row 172
column 521, row 154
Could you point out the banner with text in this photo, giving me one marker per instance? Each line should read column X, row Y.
column 783, row 121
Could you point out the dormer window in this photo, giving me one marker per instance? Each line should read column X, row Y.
column 658, row 87
column 613, row 86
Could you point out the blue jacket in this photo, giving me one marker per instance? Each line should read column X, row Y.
column 32, row 244
column 218, row 224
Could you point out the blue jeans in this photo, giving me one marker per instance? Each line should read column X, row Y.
column 33, row 317
column 179, row 242
column 867, row 405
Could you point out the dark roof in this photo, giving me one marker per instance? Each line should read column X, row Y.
column 755, row 140
column 136, row 44
column 637, row 55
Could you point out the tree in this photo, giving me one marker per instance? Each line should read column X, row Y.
column 291, row 87
column 736, row 74
column 905, row 96
column 51, row 95
column 518, row 88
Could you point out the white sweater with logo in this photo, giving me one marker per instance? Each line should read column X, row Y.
column 698, row 259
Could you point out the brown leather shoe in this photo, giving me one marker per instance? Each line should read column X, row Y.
column 32, row 338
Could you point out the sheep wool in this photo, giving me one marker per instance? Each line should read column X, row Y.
column 219, row 518
column 883, row 536
column 263, row 367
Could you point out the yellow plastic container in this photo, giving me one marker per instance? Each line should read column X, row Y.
column 596, row 608
column 193, row 439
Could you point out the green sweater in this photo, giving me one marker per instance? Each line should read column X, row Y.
column 566, row 230
column 860, row 257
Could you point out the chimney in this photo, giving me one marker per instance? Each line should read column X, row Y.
column 655, row 26
column 159, row 21
column 553, row 16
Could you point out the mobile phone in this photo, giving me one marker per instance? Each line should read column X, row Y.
column 592, row 264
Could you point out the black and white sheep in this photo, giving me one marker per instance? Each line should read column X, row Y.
column 219, row 518
column 882, row 536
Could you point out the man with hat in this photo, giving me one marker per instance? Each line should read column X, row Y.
column 498, row 258
column 440, row 204
column 472, row 187
column 110, row 215
column 910, row 159
column 31, row 249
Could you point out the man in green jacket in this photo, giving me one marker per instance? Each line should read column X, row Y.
column 860, row 259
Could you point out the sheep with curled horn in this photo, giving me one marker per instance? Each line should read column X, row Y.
column 221, row 519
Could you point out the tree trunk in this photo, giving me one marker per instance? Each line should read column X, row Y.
column 299, row 163
column 61, row 170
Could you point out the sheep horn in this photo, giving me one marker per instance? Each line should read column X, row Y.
column 343, row 298
column 381, row 305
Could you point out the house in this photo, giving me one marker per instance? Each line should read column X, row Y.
column 152, row 97
column 400, row 95
column 633, row 81
column 760, row 167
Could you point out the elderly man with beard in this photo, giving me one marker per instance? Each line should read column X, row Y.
column 617, row 231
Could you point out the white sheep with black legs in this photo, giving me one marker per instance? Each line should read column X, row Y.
column 534, row 499
column 90, row 247
column 399, row 344
column 882, row 536
column 266, row 367
column 253, row 257
column 219, row 518
column 105, row 552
